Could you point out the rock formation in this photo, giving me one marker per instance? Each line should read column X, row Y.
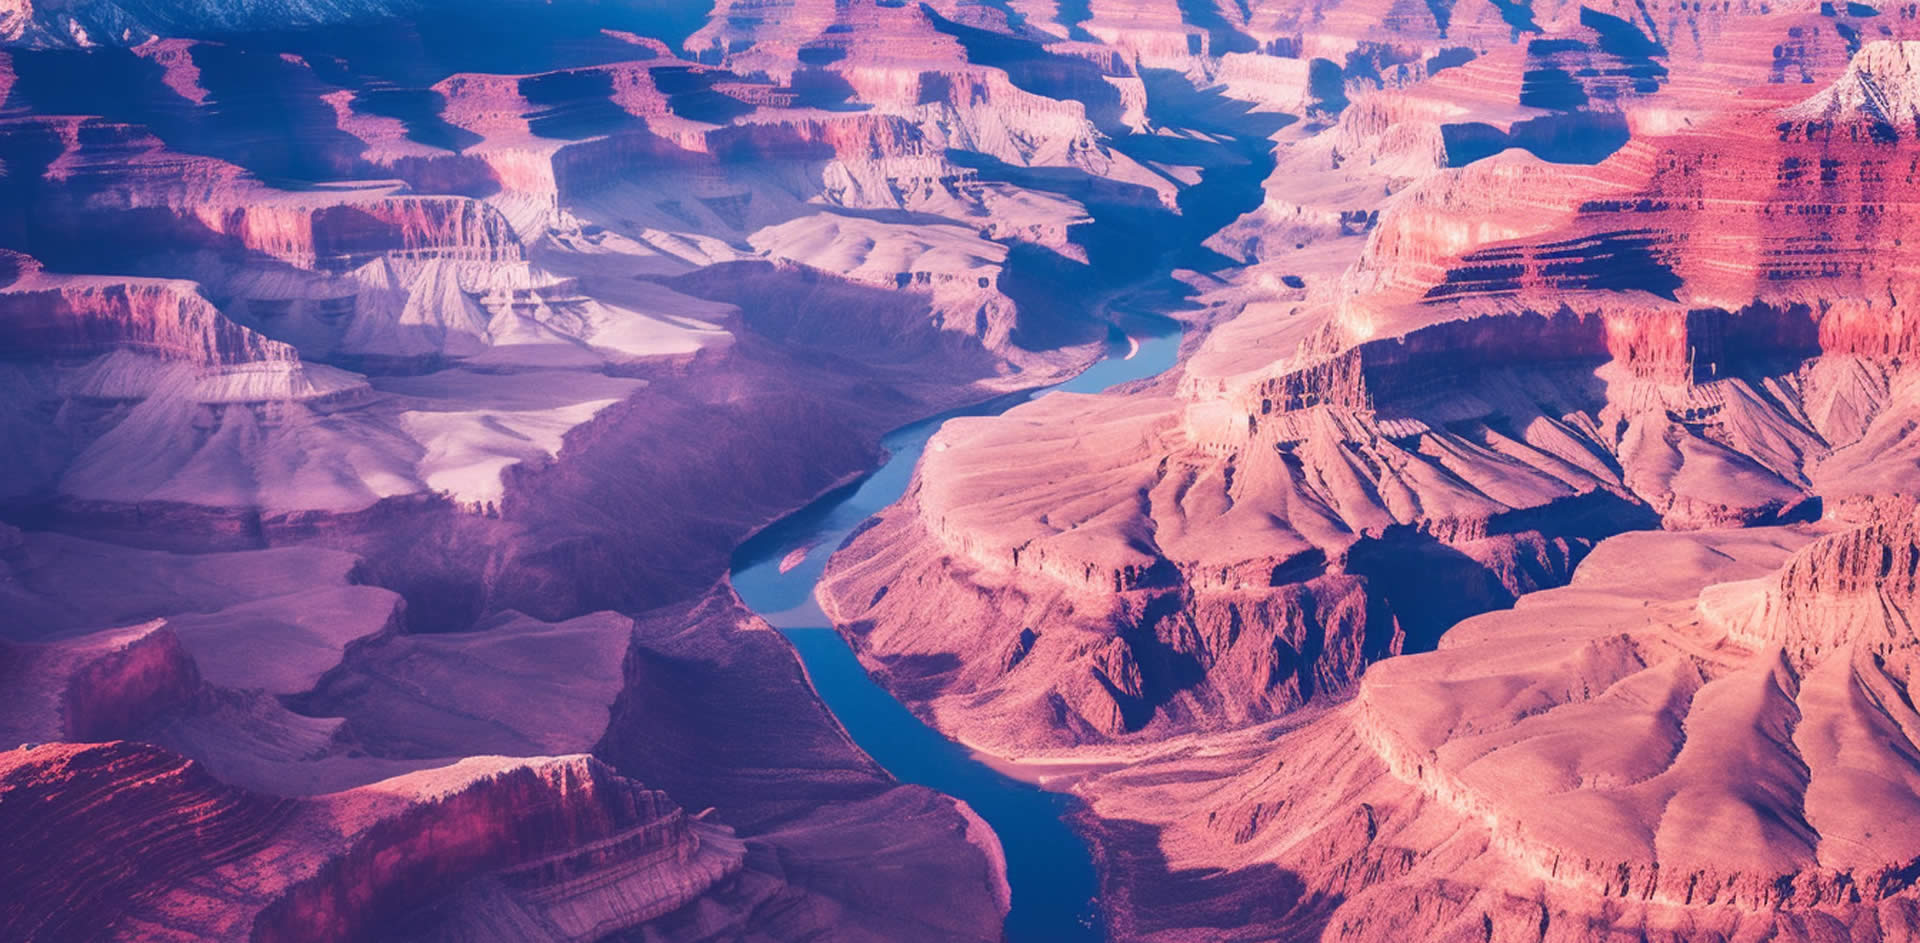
column 1607, row 748
column 558, row 848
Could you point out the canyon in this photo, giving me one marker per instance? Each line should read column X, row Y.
column 1287, row 618
column 610, row 471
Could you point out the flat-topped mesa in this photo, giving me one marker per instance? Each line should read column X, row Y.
column 1417, row 247
column 113, row 190
column 1019, row 100
column 976, row 103
column 862, row 156
column 1154, row 33
column 45, row 314
column 557, row 848
column 355, row 231
column 781, row 39
column 99, row 156
column 1856, row 590
column 541, row 111
column 864, row 159
column 1276, row 82
column 1148, row 604
column 96, row 687
column 568, row 840
column 1721, row 211
column 1732, row 211
column 1669, row 347
column 1688, row 248
column 1095, row 544
column 485, row 103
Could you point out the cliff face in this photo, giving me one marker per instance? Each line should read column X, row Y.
column 1216, row 613
column 559, row 848
column 269, row 674
column 347, row 236
column 568, row 850
column 572, row 845
column 536, row 317
column 1656, row 342
column 543, row 278
column 155, row 819
column 96, row 187
column 1530, row 748
column 100, row 687
column 1851, row 591
column 50, row 316
column 1130, row 653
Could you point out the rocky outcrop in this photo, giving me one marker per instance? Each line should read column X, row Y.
column 54, row 316
column 700, row 680
column 1519, row 761
column 1520, row 277
column 98, row 188
column 1876, row 92
column 97, row 687
column 558, row 849
column 340, row 237
column 122, row 820
column 1851, row 591
column 576, row 848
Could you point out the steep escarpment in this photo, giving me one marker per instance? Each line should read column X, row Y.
column 574, row 848
column 131, row 818
column 1485, row 764
column 1175, row 590
column 1848, row 591
column 529, row 318
column 97, row 189
column 699, row 684
column 560, row 849
column 98, row 687
column 390, row 829
column 488, row 342
column 51, row 316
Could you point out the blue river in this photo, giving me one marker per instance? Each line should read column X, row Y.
column 1055, row 887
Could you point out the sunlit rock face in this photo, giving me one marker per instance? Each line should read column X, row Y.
column 551, row 848
column 1612, row 741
